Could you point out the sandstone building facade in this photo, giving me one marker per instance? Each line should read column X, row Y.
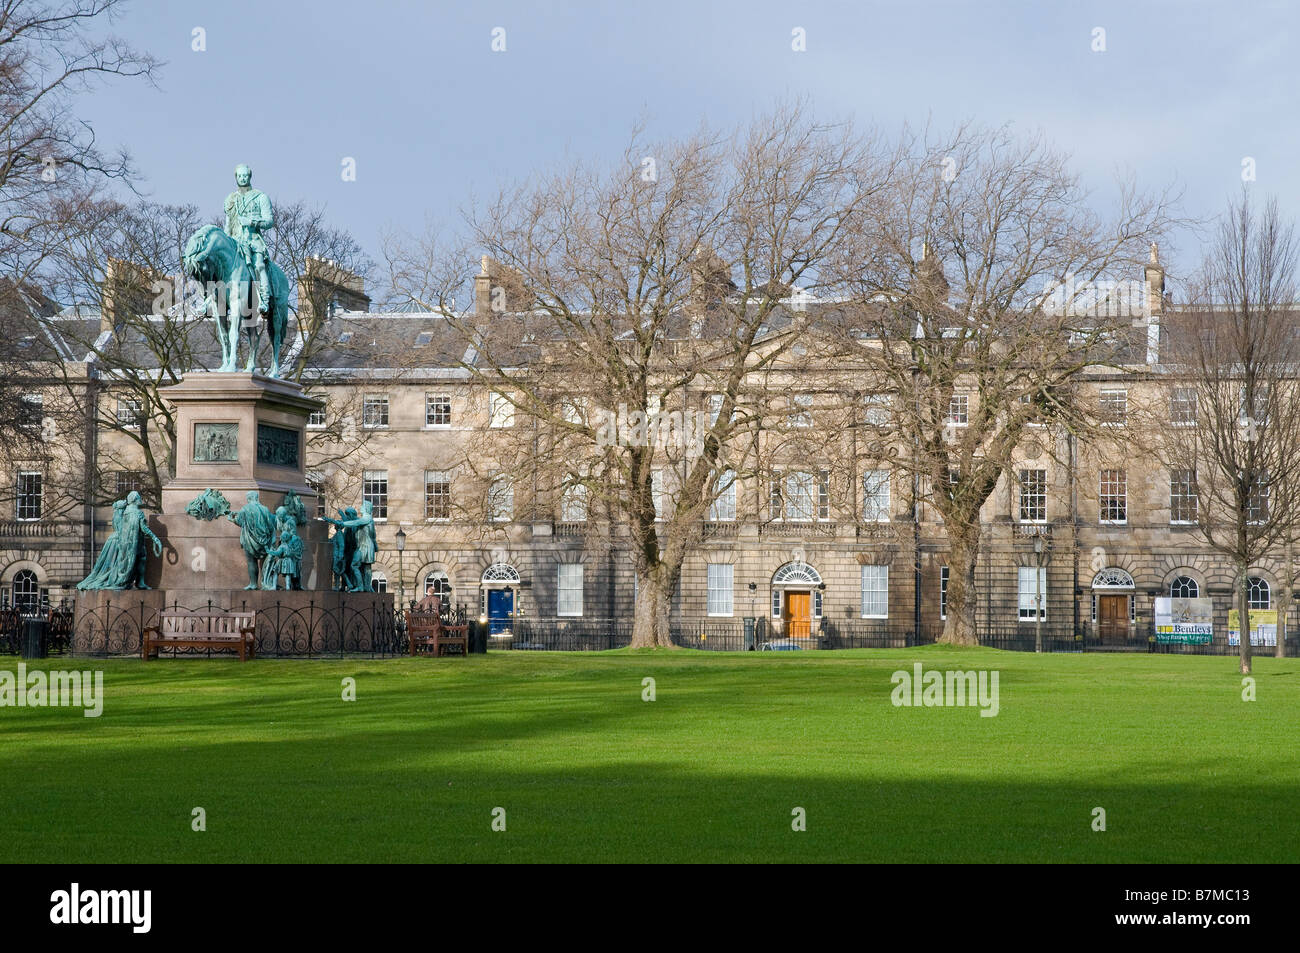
column 1081, row 537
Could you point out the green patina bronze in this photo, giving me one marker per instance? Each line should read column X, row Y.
column 256, row 535
column 293, row 503
column 216, row 443
column 242, row 286
column 357, row 565
column 121, row 563
column 285, row 558
column 277, row 446
column 208, row 505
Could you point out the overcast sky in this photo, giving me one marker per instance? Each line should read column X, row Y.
column 415, row 94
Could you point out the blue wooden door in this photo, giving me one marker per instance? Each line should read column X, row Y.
column 501, row 605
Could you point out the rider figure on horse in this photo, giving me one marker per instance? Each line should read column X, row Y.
column 248, row 215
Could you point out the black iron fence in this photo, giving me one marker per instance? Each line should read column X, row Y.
column 57, row 630
column 320, row 630
column 314, row 630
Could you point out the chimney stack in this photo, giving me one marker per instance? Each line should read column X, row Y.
column 1155, row 294
column 483, row 288
column 323, row 284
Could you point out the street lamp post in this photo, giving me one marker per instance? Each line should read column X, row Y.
column 400, row 539
column 1038, row 594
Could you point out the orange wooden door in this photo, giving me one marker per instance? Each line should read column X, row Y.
column 1112, row 618
column 798, row 615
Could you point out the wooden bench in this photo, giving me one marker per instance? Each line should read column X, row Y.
column 203, row 629
column 428, row 633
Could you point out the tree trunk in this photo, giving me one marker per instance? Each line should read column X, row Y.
column 1287, row 594
column 1243, row 620
column 959, row 628
column 650, row 616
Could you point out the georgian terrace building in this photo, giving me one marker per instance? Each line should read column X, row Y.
column 822, row 543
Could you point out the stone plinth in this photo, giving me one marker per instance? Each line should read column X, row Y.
column 235, row 432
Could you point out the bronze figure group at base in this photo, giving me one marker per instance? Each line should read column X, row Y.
column 353, row 546
column 121, row 563
column 271, row 544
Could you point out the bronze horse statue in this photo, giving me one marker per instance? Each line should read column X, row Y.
column 230, row 294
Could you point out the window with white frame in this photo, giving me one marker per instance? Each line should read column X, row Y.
column 29, row 497
column 437, row 410
column 715, row 408
column 1259, row 594
column 800, row 488
column 943, row 592
column 316, row 419
column 657, row 492
column 1182, row 406
column 1112, row 489
column 1033, row 409
column 1184, row 587
column 1113, row 406
column 129, row 481
column 378, row 582
column 573, row 503
column 27, row 591
column 959, row 410
column 374, row 490
column 317, row 483
column 723, row 507
column 568, row 589
column 875, row 592
column 1254, row 410
column 500, row 410
column 1033, row 592
column 721, row 580
column 437, row 495
column 129, row 412
column 31, row 411
column 801, row 410
column 1257, row 499
column 374, row 411
column 501, row 498
column 438, row 584
column 875, row 496
column 1033, row 496
column 1182, row 496
column 877, row 410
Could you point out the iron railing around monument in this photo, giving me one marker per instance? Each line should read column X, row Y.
column 58, row 628
column 316, row 630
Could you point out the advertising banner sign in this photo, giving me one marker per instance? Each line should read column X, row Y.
column 1184, row 621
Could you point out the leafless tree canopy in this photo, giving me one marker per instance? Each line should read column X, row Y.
column 1234, row 353
column 52, row 170
column 654, row 286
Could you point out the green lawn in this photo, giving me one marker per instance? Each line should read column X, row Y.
column 710, row 771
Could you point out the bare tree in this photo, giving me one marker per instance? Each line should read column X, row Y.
column 303, row 238
column 1235, row 352
column 51, row 169
column 971, row 314
column 623, row 315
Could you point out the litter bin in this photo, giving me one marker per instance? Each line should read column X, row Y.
column 478, row 637
column 33, row 638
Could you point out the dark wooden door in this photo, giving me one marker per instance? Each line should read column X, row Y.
column 1112, row 618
